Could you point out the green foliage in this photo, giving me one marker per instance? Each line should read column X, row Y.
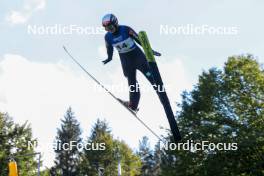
column 130, row 162
column 108, row 156
column 225, row 106
column 150, row 160
column 67, row 153
column 14, row 140
column 45, row 172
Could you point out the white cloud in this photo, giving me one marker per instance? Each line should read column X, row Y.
column 16, row 17
column 41, row 93
column 34, row 5
column 23, row 15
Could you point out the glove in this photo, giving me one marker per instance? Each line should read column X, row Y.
column 155, row 53
column 106, row 61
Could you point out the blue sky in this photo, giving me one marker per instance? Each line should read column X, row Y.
column 39, row 60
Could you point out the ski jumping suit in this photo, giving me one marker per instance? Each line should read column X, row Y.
column 132, row 59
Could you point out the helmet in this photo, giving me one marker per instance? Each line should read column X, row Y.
column 110, row 20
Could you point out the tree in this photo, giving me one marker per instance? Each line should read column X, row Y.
column 96, row 157
column 67, row 141
column 14, row 139
column 130, row 162
column 105, row 153
column 157, row 160
column 147, row 157
column 225, row 106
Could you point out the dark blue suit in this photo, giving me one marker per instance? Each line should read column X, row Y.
column 131, row 56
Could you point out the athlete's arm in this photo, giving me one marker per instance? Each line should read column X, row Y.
column 110, row 51
column 134, row 36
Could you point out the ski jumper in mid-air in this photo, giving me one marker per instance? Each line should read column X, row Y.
column 124, row 39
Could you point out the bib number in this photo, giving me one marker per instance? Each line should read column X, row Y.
column 125, row 46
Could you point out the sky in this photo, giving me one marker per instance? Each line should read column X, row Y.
column 38, row 81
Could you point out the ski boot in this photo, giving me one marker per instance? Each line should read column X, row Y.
column 129, row 106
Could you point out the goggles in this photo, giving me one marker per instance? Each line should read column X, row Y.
column 110, row 27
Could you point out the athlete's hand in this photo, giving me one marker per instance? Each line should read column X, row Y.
column 155, row 53
column 106, row 61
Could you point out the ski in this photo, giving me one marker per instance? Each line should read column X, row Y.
column 112, row 95
column 157, row 78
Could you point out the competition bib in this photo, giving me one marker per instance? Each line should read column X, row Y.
column 125, row 45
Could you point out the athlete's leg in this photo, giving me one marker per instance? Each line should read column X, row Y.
column 134, row 92
column 144, row 67
column 129, row 70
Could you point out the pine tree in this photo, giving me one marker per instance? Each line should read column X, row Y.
column 106, row 158
column 157, row 160
column 146, row 156
column 225, row 106
column 99, row 158
column 67, row 153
